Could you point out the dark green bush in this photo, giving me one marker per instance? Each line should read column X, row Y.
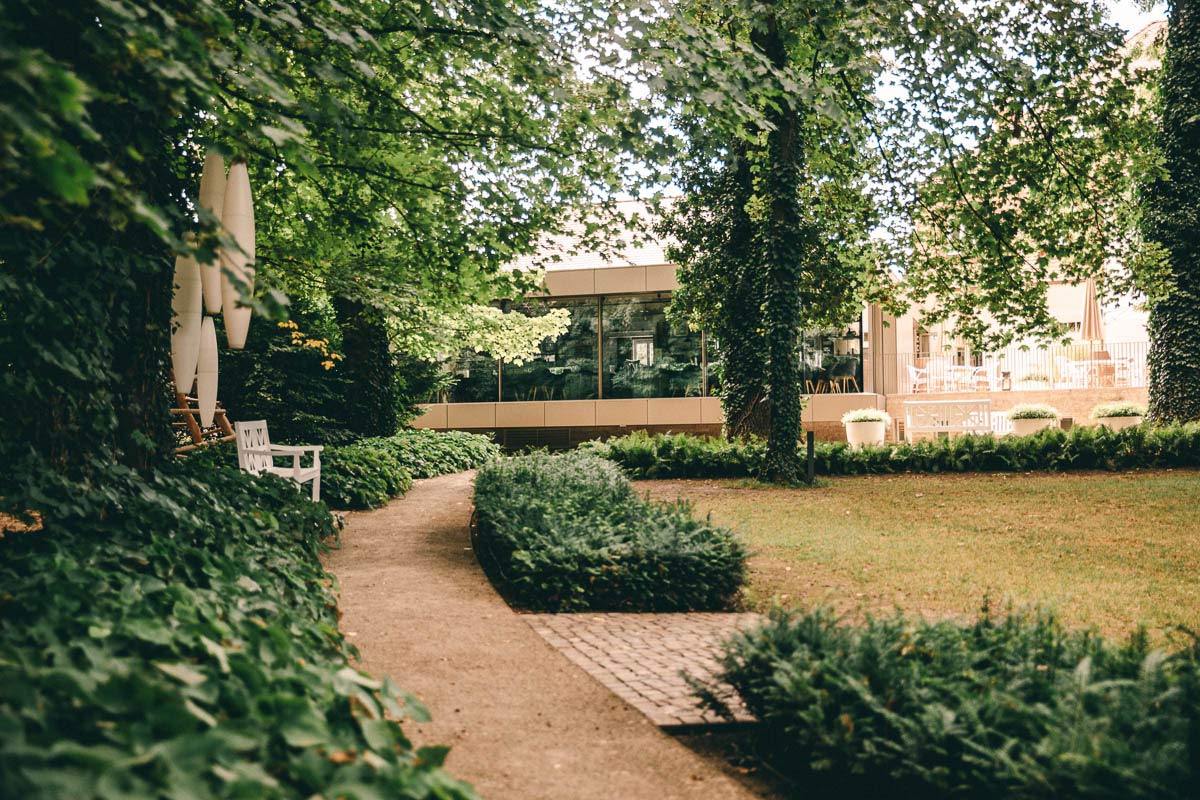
column 1014, row 707
column 1083, row 447
column 174, row 635
column 361, row 476
column 427, row 454
column 568, row 532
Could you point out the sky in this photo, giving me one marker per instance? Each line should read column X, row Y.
column 1127, row 14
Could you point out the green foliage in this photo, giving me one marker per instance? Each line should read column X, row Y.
column 569, row 533
column 359, row 476
column 175, row 635
column 1005, row 707
column 680, row 455
column 867, row 415
column 1033, row 411
column 1170, row 222
column 1081, row 448
column 286, row 376
column 427, row 454
column 1118, row 410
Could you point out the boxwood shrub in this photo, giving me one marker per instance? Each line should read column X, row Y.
column 174, row 635
column 1083, row 447
column 1012, row 707
column 427, row 454
column 568, row 533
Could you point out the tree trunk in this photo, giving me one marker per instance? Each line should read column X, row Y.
column 1173, row 220
column 782, row 252
column 372, row 402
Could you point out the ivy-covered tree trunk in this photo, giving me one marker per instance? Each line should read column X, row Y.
column 1173, row 220
column 782, row 249
column 372, row 402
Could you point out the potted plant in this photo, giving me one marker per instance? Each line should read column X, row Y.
column 1030, row 418
column 1119, row 415
column 866, row 426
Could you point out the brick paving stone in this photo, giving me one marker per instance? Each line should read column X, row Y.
column 641, row 657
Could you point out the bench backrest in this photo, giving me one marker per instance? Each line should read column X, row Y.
column 253, row 436
column 947, row 416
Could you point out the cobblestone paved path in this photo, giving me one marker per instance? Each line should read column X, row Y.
column 642, row 657
column 523, row 722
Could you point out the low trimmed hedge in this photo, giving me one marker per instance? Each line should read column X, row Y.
column 569, row 533
column 175, row 635
column 1083, row 447
column 1015, row 707
column 370, row 472
column 427, row 454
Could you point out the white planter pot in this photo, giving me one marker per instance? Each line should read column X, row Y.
column 187, row 305
column 238, row 218
column 212, row 197
column 206, row 373
column 1025, row 427
column 1119, row 423
column 863, row 433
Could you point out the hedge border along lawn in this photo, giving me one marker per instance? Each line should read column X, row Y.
column 174, row 635
column 569, row 533
column 370, row 472
column 1083, row 447
column 1014, row 707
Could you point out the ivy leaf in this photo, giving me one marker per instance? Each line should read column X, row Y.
column 184, row 673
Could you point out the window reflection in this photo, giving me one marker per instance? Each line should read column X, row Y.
column 831, row 361
column 476, row 379
column 644, row 354
column 566, row 367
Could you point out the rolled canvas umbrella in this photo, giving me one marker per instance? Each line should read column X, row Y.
column 187, row 306
column 212, row 197
column 206, row 373
column 237, row 215
column 1092, row 329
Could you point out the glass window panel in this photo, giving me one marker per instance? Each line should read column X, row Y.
column 831, row 361
column 566, row 367
column 644, row 354
column 476, row 379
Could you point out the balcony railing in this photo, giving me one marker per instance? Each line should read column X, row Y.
column 1077, row 366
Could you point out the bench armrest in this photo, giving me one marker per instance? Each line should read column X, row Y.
column 289, row 449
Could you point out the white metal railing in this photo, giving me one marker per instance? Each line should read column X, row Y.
column 1079, row 366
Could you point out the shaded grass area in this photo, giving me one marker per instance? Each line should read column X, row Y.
column 1111, row 550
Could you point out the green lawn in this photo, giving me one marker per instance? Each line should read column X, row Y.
column 1110, row 550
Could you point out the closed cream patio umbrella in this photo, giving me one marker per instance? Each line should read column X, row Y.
column 1092, row 329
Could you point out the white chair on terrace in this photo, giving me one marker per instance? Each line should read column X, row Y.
column 257, row 455
column 918, row 380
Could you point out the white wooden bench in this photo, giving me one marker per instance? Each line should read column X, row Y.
column 257, row 455
column 946, row 417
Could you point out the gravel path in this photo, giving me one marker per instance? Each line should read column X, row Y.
column 523, row 722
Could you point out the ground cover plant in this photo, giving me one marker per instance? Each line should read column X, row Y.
column 1111, row 550
column 1081, row 448
column 174, row 635
column 427, row 454
column 1015, row 706
column 569, row 533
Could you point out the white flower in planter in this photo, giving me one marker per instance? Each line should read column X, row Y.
column 866, row 426
column 1029, row 418
column 1118, row 416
